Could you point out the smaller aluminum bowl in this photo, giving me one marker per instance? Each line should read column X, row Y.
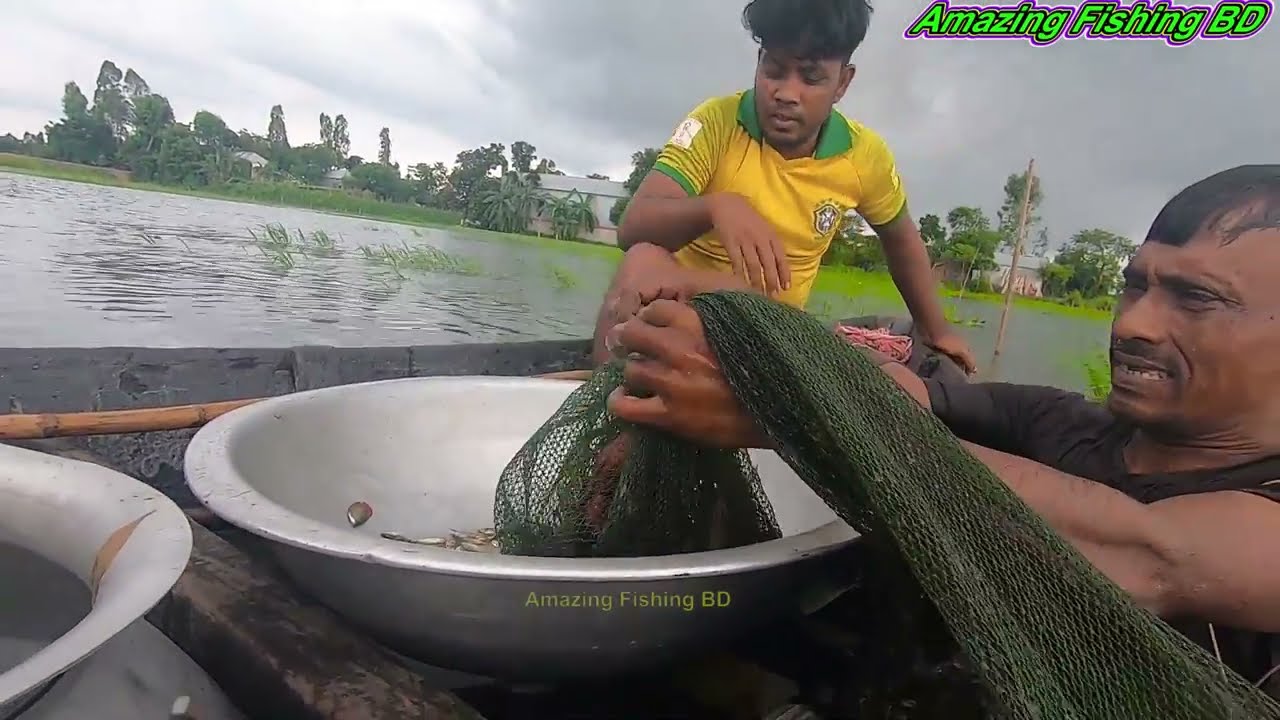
column 85, row 551
column 426, row 454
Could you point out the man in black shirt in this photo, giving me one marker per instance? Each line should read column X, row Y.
column 1171, row 489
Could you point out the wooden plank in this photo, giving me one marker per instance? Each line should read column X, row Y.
column 29, row 426
column 278, row 657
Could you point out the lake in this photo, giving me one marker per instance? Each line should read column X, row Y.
column 87, row 265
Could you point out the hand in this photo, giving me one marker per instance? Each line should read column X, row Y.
column 672, row 382
column 647, row 273
column 954, row 347
column 631, row 299
column 753, row 246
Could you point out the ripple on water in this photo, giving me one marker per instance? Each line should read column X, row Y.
column 98, row 265
column 169, row 270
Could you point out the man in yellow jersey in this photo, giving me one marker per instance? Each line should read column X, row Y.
column 752, row 187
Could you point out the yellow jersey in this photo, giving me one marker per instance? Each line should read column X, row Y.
column 719, row 148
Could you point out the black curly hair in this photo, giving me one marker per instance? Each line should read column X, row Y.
column 809, row 29
column 1249, row 194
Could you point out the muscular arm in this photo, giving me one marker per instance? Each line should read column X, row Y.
column 662, row 213
column 1176, row 557
column 912, row 273
column 672, row 207
column 884, row 207
column 1207, row 557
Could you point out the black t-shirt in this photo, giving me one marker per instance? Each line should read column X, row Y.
column 1067, row 432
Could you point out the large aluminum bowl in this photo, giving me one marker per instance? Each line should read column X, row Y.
column 84, row 552
column 426, row 454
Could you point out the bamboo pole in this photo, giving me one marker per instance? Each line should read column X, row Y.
column 31, row 426
column 1017, row 255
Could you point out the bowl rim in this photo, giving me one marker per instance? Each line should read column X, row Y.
column 152, row 558
column 214, row 480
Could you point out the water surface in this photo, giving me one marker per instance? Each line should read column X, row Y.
column 87, row 265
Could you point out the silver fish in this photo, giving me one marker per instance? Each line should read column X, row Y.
column 483, row 540
column 433, row 541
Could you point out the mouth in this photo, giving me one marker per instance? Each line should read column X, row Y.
column 1126, row 366
column 783, row 121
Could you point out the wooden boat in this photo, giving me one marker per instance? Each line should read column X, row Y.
column 278, row 655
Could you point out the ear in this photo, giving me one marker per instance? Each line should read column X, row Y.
column 846, row 77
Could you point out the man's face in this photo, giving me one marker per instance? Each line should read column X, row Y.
column 794, row 96
column 1195, row 337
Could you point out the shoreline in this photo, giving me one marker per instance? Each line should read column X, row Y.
column 844, row 281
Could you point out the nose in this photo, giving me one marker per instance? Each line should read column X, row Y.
column 787, row 92
column 1142, row 319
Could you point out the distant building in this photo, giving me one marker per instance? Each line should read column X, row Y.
column 333, row 179
column 853, row 224
column 601, row 193
column 1026, row 281
column 255, row 161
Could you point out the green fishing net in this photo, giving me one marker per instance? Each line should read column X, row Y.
column 1049, row 636
column 587, row 485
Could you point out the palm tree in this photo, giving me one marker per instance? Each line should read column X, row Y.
column 508, row 205
column 571, row 215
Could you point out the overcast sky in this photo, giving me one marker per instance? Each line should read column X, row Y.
column 1115, row 127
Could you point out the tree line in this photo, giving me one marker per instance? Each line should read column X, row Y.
column 129, row 126
column 1085, row 270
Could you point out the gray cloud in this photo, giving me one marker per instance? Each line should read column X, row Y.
column 1116, row 127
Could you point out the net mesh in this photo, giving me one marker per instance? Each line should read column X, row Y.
column 584, row 485
column 1049, row 636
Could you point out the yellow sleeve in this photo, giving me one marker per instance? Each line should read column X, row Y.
column 883, row 197
column 695, row 148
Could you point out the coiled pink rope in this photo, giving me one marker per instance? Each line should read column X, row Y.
column 896, row 347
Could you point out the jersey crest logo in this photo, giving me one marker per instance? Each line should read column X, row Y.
column 826, row 218
column 685, row 133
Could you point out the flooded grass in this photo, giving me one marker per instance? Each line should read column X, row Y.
column 953, row 316
column 404, row 258
column 1097, row 376
column 561, row 278
column 151, row 239
column 283, row 249
column 854, row 282
column 61, row 170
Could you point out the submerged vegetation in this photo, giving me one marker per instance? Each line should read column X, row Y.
column 400, row 259
column 129, row 135
column 285, row 250
column 1097, row 376
column 282, row 250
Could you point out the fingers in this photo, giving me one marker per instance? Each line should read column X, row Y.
column 625, row 306
column 643, row 377
column 965, row 360
column 769, row 262
column 734, row 251
column 784, row 266
column 650, row 411
column 669, row 313
column 755, row 268
column 642, row 335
